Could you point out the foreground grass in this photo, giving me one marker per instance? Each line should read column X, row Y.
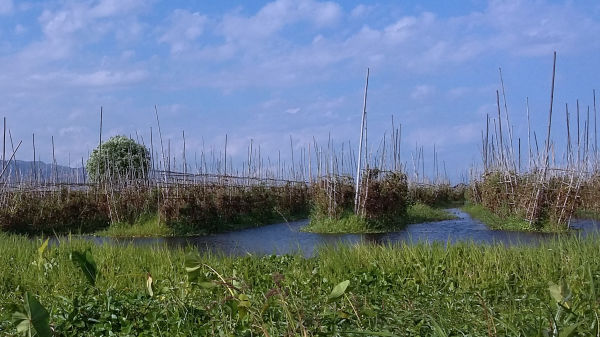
column 509, row 223
column 421, row 290
column 350, row 223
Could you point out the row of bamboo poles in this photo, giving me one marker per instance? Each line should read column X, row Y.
column 502, row 155
column 306, row 164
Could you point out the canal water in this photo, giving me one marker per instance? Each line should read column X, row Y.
column 287, row 238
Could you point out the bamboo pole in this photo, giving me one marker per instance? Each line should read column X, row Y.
column 11, row 158
column 528, row 135
column 595, row 131
column 507, row 117
column 4, row 147
column 534, row 210
column 34, row 165
column 360, row 144
column 569, row 149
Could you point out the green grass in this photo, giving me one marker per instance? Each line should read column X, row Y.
column 351, row 223
column 587, row 214
column 419, row 213
column 509, row 223
column 149, row 225
column 402, row 290
column 145, row 226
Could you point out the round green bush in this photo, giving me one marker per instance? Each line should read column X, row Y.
column 119, row 157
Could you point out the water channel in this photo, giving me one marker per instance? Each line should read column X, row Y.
column 287, row 238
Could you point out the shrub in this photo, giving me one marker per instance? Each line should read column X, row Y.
column 119, row 157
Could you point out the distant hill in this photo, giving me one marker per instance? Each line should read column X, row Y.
column 24, row 170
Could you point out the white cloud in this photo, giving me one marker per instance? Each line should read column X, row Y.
column 184, row 28
column 101, row 78
column 360, row 11
column 109, row 78
column 108, row 8
column 292, row 111
column 6, row 7
column 72, row 131
column 290, row 53
column 277, row 14
column 445, row 136
column 20, row 29
column 422, row 91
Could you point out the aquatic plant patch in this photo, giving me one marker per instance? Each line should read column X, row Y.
column 79, row 289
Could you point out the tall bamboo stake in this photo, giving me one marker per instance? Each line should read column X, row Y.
column 499, row 136
column 528, row 134
column 595, row 130
column 533, row 213
column 4, row 147
column 360, row 143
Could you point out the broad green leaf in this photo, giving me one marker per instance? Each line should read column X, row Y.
column 193, row 267
column 42, row 248
column 568, row 331
column 207, row 285
column 149, row 284
column 244, row 301
column 338, row 291
column 86, row 262
column 555, row 291
column 35, row 318
column 192, row 263
column 22, row 321
column 39, row 316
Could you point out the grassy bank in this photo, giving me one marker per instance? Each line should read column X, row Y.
column 587, row 214
column 401, row 290
column 350, row 223
column 509, row 222
column 150, row 225
column 184, row 210
column 145, row 226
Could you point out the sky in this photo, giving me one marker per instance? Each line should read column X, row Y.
column 268, row 71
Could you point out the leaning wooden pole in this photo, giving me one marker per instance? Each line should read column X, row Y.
column 595, row 132
column 534, row 209
column 11, row 158
column 550, row 113
column 4, row 146
column 528, row 135
column 99, row 148
column 360, row 143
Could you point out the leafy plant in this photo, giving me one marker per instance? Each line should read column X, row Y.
column 40, row 260
column 562, row 322
column 33, row 319
column 86, row 263
column 117, row 158
column 338, row 291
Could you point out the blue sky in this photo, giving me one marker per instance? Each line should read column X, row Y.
column 268, row 70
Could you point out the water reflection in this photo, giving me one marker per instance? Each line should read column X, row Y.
column 288, row 238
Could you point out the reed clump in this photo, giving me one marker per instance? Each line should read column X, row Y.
column 332, row 197
column 185, row 209
column 54, row 211
column 206, row 209
column 589, row 200
column 385, row 197
column 438, row 195
column 541, row 205
column 383, row 201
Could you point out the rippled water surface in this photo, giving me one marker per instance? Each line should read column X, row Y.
column 287, row 237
